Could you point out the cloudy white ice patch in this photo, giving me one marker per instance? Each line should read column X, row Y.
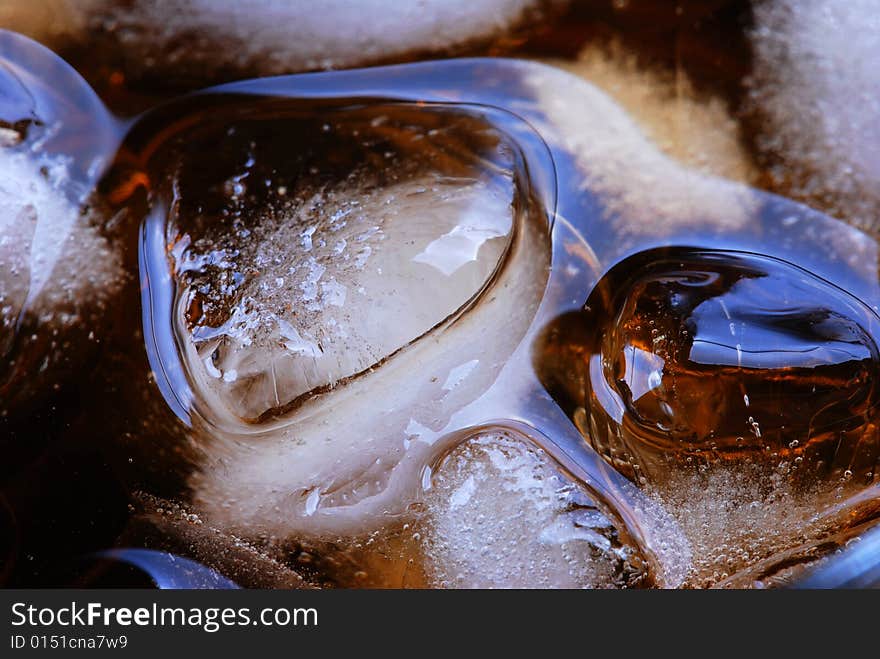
column 816, row 92
column 210, row 38
column 693, row 126
column 643, row 191
column 54, row 263
column 57, row 275
column 499, row 515
column 380, row 268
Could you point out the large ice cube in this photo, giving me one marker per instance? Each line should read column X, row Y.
column 328, row 285
column 320, row 275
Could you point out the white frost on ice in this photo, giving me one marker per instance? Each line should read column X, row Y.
column 267, row 36
column 54, row 264
column 644, row 191
column 499, row 515
column 816, row 89
column 292, row 325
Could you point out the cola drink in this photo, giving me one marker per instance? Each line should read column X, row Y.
column 468, row 323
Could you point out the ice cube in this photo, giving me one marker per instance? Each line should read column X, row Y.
column 328, row 272
column 306, row 289
column 58, row 275
column 322, row 314
column 211, row 40
column 817, row 110
column 745, row 520
column 499, row 514
column 737, row 390
column 719, row 356
column 59, row 271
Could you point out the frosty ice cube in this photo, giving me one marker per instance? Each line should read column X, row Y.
column 815, row 105
column 500, row 514
column 330, row 262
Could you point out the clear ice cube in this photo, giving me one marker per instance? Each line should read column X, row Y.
column 59, row 270
column 322, row 275
column 325, row 273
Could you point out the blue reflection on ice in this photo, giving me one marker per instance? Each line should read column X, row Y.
column 169, row 571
